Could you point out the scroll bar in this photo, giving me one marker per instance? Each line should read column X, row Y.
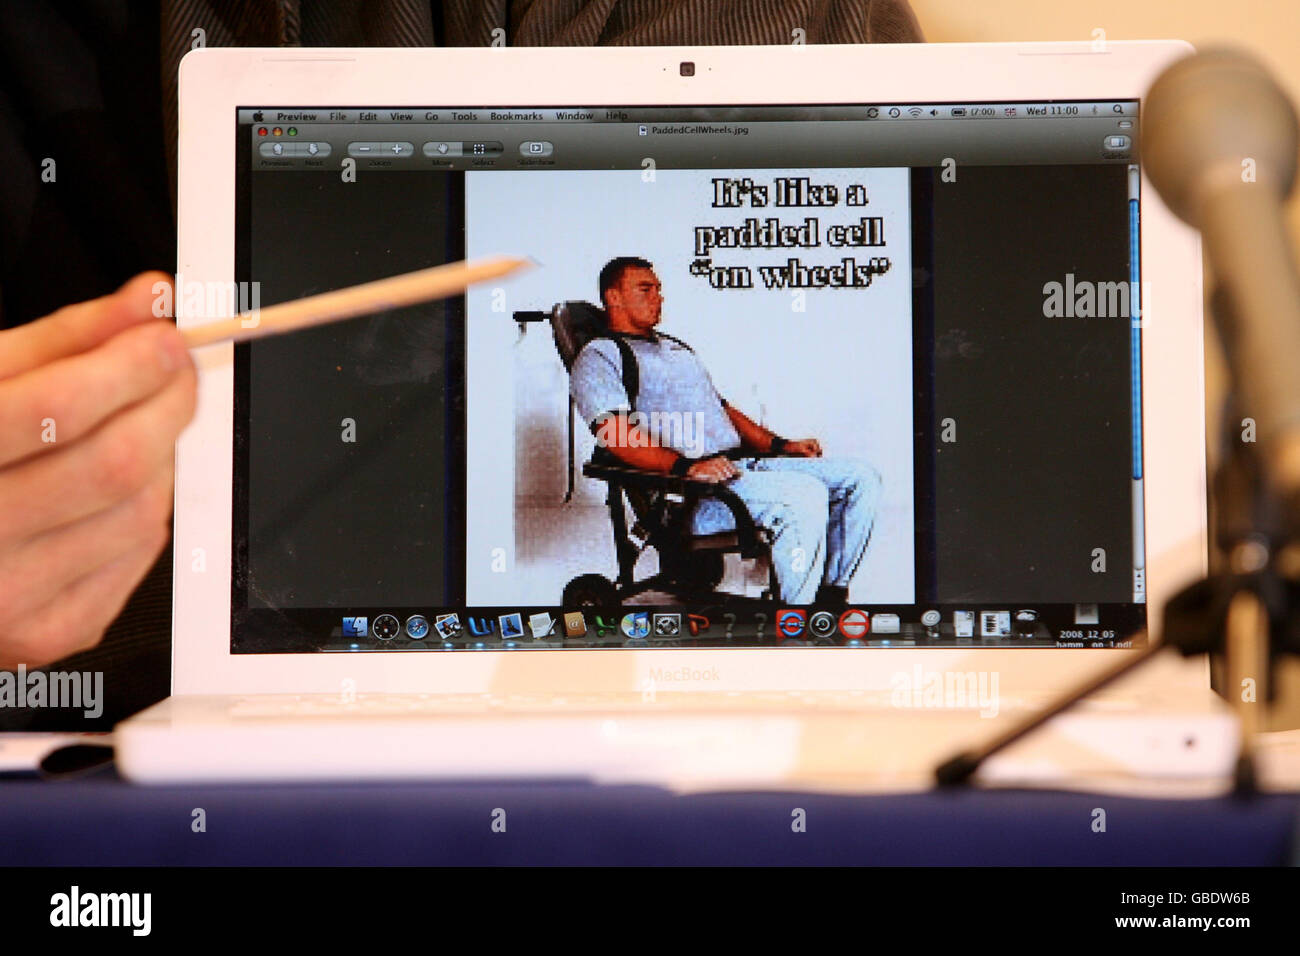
column 1135, row 384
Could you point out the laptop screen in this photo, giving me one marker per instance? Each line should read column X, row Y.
column 846, row 375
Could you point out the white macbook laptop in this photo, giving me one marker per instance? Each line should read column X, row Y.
column 474, row 538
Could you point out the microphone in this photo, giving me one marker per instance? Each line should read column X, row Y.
column 1219, row 141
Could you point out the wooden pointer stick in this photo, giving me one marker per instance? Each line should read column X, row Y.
column 369, row 297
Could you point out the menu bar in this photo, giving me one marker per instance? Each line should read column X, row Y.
column 883, row 112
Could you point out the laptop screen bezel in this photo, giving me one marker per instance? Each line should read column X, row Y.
column 215, row 82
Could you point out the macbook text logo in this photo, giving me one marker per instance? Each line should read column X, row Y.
column 661, row 675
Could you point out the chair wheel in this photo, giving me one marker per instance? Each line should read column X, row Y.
column 590, row 590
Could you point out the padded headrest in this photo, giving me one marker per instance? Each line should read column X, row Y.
column 574, row 324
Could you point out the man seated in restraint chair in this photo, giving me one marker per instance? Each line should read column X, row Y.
column 819, row 511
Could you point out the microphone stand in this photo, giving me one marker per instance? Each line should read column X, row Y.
column 1247, row 611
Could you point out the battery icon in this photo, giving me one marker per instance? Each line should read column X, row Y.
column 959, row 111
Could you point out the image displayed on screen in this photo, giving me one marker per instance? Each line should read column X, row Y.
column 734, row 402
column 748, row 312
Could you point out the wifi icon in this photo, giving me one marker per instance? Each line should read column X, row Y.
column 914, row 111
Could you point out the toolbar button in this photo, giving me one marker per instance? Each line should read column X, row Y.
column 436, row 150
column 283, row 150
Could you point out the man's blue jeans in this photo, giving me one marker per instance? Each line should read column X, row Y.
column 820, row 512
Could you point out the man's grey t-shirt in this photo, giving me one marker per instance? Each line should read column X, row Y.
column 679, row 406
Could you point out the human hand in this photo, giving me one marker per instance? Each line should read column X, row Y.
column 715, row 469
column 92, row 399
column 803, row 448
